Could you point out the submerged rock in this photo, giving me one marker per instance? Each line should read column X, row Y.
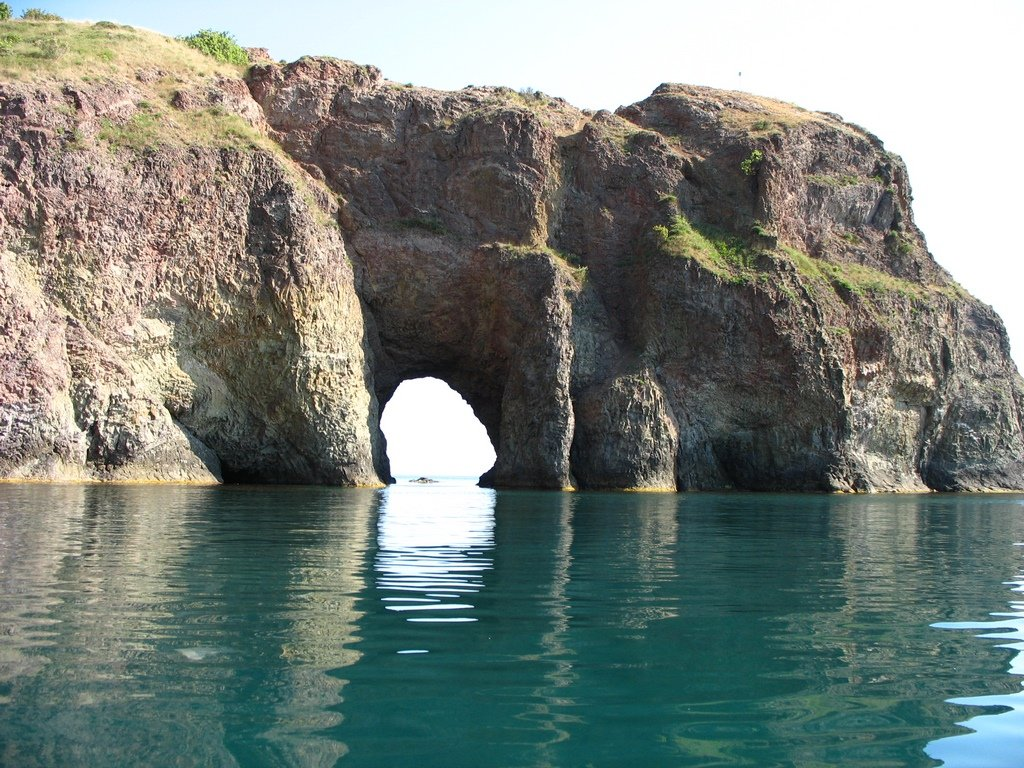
column 707, row 289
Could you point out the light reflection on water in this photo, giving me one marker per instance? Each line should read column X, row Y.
column 434, row 547
column 285, row 626
column 996, row 739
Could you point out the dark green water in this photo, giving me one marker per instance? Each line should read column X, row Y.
column 453, row 626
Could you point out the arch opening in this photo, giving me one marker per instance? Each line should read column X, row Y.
column 432, row 432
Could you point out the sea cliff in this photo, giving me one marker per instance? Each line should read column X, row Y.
column 223, row 273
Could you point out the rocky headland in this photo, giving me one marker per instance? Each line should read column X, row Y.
column 214, row 273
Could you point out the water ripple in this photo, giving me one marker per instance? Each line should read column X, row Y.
column 996, row 738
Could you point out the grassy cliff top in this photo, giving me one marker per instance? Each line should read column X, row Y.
column 147, row 89
column 48, row 50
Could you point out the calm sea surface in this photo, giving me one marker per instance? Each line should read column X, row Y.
column 448, row 625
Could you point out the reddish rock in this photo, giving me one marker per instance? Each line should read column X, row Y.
column 703, row 290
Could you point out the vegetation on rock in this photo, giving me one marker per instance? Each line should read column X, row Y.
column 752, row 162
column 37, row 14
column 92, row 52
column 219, row 45
column 427, row 223
column 174, row 88
column 726, row 255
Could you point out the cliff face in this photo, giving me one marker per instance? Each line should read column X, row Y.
column 172, row 308
column 702, row 290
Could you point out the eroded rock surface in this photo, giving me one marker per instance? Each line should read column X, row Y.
column 702, row 290
column 184, row 312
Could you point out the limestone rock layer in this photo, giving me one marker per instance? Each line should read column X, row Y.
column 703, row 290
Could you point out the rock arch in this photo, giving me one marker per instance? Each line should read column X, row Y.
column 469, row 318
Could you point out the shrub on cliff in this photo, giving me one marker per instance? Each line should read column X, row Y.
column 5, row 11
column 219, row 45
column 752, row 163
column 37, row 14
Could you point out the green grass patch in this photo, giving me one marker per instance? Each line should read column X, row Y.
column 70, row 52
column 861, row 279
column 835, row 181
column 858, row 279
column 617, row 131
column 531, row 97
column 752, row 163
column 806, row 267
column 740, row 259
column 761, row 115
column 580, row 274
column 73, row 139
column 79, row 52
column 504, row 97
column 156, row 125
column 727, row 255
column 215, row 127
column 899, row 243
column 140, row 133
column 571, row 261
column 154, row 65
column 754, row 115
column 516, row 249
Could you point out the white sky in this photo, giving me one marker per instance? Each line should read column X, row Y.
column 432, row 432
column 939, row 82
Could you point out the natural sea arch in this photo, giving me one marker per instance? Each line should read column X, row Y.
column 431, row 431
column 492, row 323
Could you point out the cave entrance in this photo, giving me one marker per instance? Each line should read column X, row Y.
column 432, row 432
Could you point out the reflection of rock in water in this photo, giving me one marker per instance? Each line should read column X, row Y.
column 219, row 619
column 114, row 544
column 597, row 571
column 327, row 576
column 553, row 699
column 37, row 550
column 883, row 569
column 653, row 542
column 109, row 557
column 887, row 546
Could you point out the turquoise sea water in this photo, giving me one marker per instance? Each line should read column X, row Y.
column 448, row 625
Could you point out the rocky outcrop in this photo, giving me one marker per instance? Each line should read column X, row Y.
column 702, row 290
column 170, row 312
